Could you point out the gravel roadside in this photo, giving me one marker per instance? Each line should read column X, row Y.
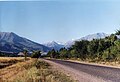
column 77, row 75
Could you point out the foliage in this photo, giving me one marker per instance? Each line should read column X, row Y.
column 106, row 49
column 36, row 54
column 25, row 53
column 40, row 71
column 117, row 32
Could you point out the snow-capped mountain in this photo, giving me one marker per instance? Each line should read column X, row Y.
column 9, row 41
column 94, row 36
column 69, row 43
column 88, row 37
column 54, row 45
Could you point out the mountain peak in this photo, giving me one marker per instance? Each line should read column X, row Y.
column 54, row 42
column 12, row 33
column 94, row 36
column 50, row 44
column 54, row 45
column 7, row 33
column 88, row 37
column 12, row 42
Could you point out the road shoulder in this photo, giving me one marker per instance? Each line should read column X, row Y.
column 78, row 76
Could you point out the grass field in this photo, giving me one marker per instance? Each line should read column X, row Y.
column 32, row 70
column 7, row 61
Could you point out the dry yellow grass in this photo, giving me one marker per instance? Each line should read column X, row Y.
column 32, row 70
column 42, row 72
column 9, row 72
column 9, row 59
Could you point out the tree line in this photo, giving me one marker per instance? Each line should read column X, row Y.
column 34, row 54
column 106, row 49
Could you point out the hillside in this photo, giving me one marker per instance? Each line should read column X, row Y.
column 10, row 41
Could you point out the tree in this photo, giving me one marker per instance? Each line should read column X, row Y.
column 107, row 49
column 93, row 48
column 81, row 49
column 117, row 32
column 25, row 53
column 63, row 53
column 36, row 54
column 53, row 54
column 73, row 53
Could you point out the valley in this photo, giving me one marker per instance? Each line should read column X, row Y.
column 59, row 40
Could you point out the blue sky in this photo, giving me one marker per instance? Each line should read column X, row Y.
column 61, row 21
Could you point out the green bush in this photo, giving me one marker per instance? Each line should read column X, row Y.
column 36, row 54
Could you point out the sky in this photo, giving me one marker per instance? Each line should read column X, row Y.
column 61, row 21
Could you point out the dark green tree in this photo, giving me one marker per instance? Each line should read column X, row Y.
column 36, row 54
column 117, row 32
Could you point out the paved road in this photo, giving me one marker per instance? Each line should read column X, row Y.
column 106, row 73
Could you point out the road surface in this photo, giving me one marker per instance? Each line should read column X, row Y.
column 88, row 72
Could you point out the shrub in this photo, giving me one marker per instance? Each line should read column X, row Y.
column 36, row 54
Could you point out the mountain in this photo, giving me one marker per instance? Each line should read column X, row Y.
column 69, row 43
column 88, row 37
column 11, row 42
column 94, row 36
column 54, row 45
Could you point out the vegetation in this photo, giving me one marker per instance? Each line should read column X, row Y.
column 117, row 32
column 3, row 54
column 5, row 61
column 41, row 72
column 10, row 59
column 33, row 70
column 25, row 53
column 36, row 54
column 107, row 49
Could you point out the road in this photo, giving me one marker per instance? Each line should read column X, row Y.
column 89, row 72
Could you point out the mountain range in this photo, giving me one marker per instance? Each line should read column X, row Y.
column 68, row 44
column 11, row 42
column 88, row 37
column 54, row 45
